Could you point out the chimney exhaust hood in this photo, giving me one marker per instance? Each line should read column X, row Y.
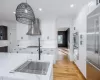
column 35, row 28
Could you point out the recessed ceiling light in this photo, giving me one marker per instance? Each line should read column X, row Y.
column 72, row 5
column 14, row 12
column 40, row 9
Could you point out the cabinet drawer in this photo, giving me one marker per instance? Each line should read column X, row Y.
column 6, row 78
column 0, row 78
column 4, row 49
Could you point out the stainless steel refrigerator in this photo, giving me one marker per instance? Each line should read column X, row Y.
column 93, row 45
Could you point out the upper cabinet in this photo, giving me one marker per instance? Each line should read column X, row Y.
column 22, row 29
column 3, row 33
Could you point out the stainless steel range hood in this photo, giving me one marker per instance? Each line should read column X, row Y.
column 35, row 28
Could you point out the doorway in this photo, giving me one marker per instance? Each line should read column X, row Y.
column 63, row 43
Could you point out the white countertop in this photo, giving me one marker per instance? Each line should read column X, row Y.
column 11, row 61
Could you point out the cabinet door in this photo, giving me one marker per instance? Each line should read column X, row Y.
column 99, row 44
column 4, row 49
column 21, row 30
column 6, row 78
column 12, row 39
column 3, row 33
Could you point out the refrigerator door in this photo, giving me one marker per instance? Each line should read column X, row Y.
column 95, row 57
column 90, row 39
column 99, row 44
column 93, row 40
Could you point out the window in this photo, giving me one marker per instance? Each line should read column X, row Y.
column 60, row 39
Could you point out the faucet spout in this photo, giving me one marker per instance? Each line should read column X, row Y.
column 39, row 50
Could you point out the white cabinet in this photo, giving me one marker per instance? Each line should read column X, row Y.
column 48, row 30
column 6, row 78
column 0, row 78
column 22, row 29
column 28, row 50
column 51, row 76
column 50, row 51
column 12, row 39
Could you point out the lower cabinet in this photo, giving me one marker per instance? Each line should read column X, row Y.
column 6, row 78
column 4, row 49
column 51, row 75
column 26, row 50
column 0, row 78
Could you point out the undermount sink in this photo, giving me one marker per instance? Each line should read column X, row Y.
column 34, row 67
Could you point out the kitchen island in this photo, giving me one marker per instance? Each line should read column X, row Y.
column 9, row 62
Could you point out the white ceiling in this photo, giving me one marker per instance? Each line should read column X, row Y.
column 51, row 8
column 62, row 29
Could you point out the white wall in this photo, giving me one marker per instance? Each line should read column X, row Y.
column 81, row 26
column 64, row 23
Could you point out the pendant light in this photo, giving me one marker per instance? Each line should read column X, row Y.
column 24, row 14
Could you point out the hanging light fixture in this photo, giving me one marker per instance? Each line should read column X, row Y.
column 24, row 14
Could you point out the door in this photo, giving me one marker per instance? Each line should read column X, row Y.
column 93, row 40
column 99, row 45
column 90, row 39
column 95, row 57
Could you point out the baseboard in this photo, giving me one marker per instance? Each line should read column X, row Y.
column 79, row 71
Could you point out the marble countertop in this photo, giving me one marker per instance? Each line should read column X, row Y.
column 10, row 61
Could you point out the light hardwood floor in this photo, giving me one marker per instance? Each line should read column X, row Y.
column 66, row 70
column 92, row 73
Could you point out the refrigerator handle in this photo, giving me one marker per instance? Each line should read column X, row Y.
column 98, row 45
column 96, row 38
column 95, row 45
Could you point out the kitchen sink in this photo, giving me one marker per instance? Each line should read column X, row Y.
column 32, row 67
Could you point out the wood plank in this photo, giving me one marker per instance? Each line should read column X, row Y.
column 66, row 70
column 92, row 73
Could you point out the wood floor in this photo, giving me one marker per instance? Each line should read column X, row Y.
column 66, row 70
column 92, row 73
column 64, row 50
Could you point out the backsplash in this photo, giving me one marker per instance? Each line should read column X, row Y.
column 43, row 43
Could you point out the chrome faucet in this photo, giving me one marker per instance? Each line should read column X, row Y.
column 40, row 51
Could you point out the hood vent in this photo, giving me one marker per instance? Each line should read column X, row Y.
column 35, row 28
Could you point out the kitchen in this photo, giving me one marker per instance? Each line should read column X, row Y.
column 28, row 39
column 23, row 48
